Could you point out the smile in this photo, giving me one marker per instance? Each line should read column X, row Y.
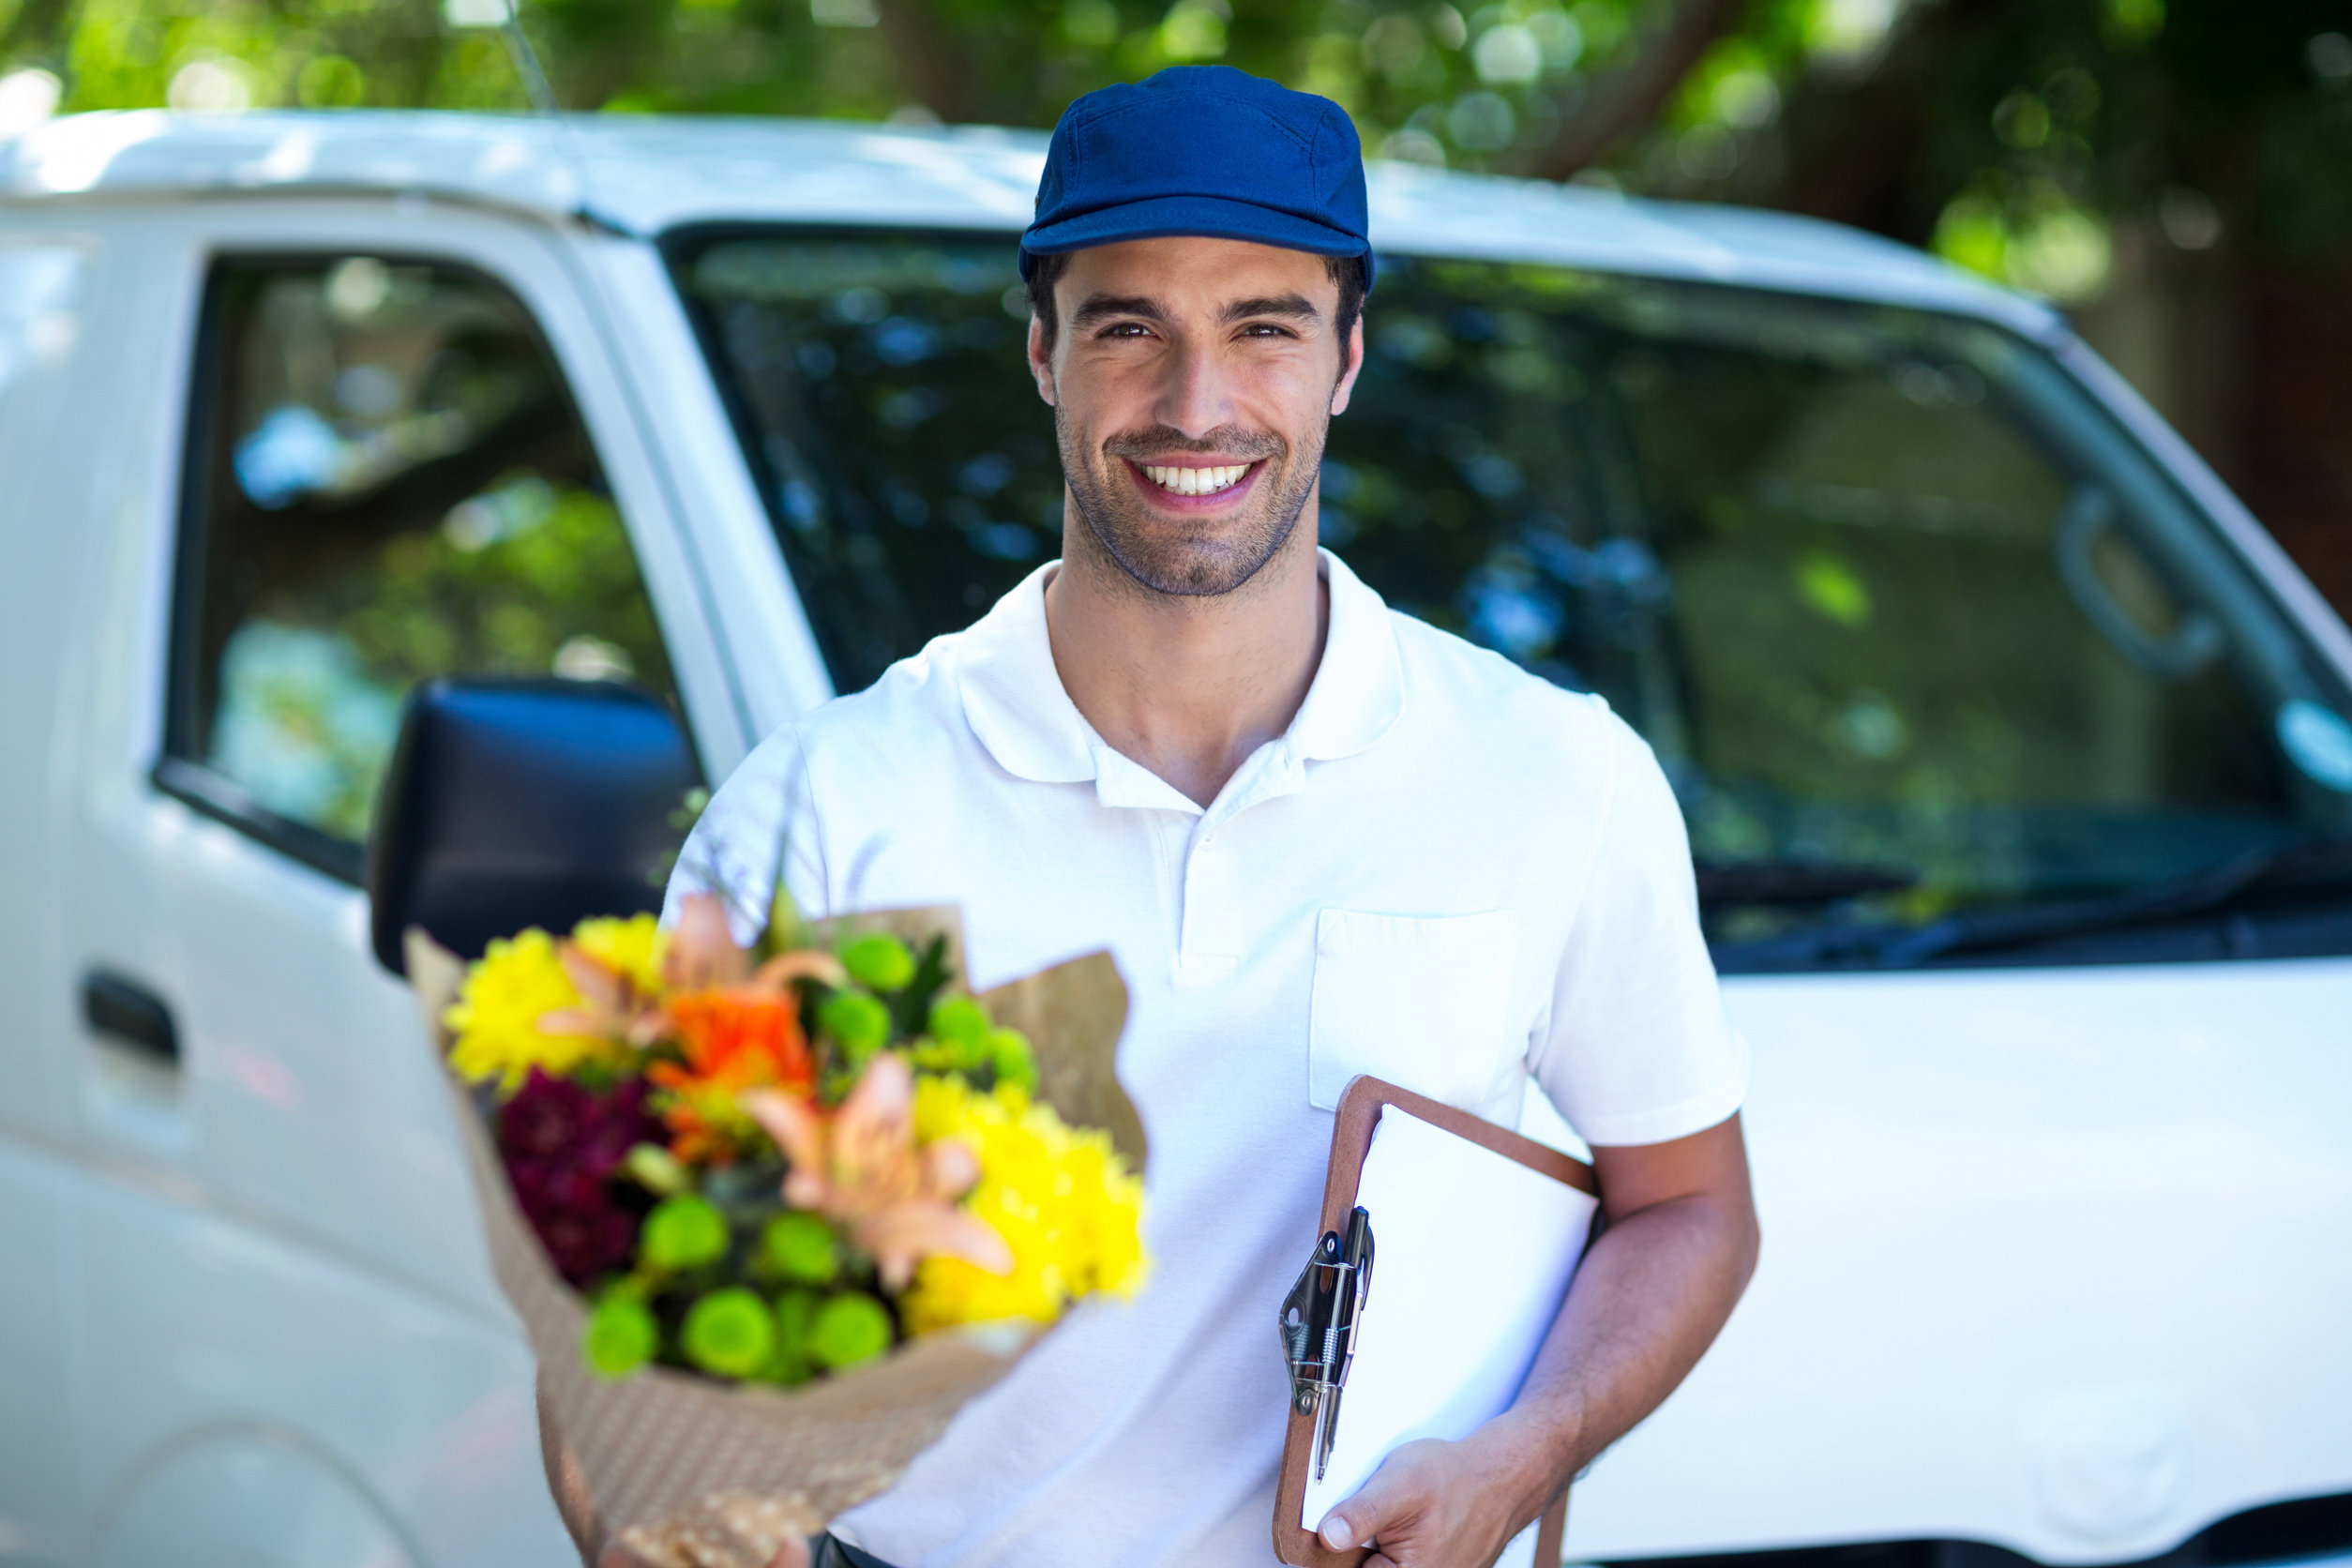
column 1195, row 481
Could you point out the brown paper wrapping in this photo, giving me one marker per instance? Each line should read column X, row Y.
column 689, row 1472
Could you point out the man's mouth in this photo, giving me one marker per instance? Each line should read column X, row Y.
column 1195, row 481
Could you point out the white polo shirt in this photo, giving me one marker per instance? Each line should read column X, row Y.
column 1447, row 872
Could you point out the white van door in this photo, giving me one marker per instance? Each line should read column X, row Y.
column 370, row 443
column 52, row 391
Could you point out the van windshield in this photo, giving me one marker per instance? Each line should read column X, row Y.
column 1917, row 630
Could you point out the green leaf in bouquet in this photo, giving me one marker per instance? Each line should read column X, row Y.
column 785, row 929
column 933, row 970
column 621, row 1335
column 849, row 1328
column 745, row 1192
column 801, row 1247
column 880, row 962
column 682, row 1232
column 656, row 1170
column 729, row 1334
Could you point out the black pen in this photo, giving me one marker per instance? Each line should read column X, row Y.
column 1353, row 1287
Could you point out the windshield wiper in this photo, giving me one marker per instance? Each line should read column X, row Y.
column 2309, row 866
column 1794, row 882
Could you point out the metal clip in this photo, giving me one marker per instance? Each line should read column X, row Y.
column 1319, row 1326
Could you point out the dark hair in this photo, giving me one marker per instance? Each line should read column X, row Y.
column 1346, row 271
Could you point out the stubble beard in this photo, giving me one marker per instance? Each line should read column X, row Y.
column 1176, row 557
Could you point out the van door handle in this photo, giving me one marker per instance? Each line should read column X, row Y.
column 130, row 1013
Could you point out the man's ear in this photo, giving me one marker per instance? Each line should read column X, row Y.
column 1348, row 371
column 1041, row 360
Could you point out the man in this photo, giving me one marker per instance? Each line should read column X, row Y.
column 1321, row 838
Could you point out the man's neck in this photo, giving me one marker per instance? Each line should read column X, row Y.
column 1188, row 688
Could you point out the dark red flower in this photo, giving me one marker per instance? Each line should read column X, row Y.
column 586, row 1241
column 561, row 1143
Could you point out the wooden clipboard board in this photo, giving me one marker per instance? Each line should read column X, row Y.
column 1360, row 1109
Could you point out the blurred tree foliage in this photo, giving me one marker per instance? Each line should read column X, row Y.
column 2182, row 166
column 2011, row 131
column 2016, row 136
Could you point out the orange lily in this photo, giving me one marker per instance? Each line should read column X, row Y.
column 731, row 1040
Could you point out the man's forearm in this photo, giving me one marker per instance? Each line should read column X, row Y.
column 1649, row 1299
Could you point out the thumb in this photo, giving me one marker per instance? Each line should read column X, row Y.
column 1384, row 1501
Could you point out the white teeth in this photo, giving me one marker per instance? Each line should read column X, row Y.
column 1196, row 481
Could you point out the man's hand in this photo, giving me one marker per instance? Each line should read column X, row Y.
column 1435, row 1506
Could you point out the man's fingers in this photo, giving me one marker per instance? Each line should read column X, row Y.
column 1393, row 1492
column 791, row 1554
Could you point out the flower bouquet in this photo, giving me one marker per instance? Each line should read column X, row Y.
column 771, row 1215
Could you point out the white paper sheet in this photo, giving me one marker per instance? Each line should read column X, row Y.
column 1473, row 1252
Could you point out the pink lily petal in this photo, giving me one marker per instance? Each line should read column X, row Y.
column 873, row 1133
column 779, row 972
column 599, row 987
column 702, row 952
column 797, row 1126
column 904, row 1234
column 949, row 1170
column 572, row 1020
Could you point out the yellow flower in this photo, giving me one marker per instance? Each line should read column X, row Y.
column 632, row 948
column 1061, row 1197
column 496, row 1016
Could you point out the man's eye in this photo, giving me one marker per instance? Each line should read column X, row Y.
column 1126, row 329
column 1265, row 329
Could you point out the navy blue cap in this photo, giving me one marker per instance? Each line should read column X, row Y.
column 1202, row 150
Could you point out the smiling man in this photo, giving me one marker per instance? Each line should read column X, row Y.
column 1321, row 838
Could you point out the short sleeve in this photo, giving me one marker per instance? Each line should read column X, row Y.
column 1638, row 1049
column 764, row 815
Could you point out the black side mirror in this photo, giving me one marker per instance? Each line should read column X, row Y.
column 514, row 803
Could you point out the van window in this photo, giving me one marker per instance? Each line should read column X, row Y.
column 387, row 481
column 1916, row 630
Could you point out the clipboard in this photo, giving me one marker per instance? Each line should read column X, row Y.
column 1359, row 1117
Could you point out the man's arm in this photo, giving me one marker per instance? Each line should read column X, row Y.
column 1650, row 1297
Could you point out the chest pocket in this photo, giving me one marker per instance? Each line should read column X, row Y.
column 1422, row 1003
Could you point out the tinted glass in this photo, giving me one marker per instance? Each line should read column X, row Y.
column 1913, row 625
column 882, row 390
column 389, row 483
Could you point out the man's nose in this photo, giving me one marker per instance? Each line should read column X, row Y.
column 1195, row 396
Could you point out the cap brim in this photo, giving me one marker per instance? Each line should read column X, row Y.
column 1215, row 217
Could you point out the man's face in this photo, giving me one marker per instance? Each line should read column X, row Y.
column 1192, row 383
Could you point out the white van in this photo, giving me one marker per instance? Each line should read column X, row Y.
column 2013, row 751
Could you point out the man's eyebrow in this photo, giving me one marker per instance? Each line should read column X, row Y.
column 1294, row 306
column 1099, row 306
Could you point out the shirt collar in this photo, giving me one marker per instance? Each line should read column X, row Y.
column 1016, row 703
column 1359, row 688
